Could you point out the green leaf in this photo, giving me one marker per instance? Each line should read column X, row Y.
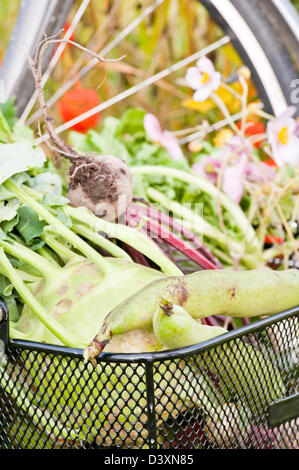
column 54, row 200
column 80, row 142
column 47, row 183
column 29, row 225
column 63, row 217
column 9, row 225
column 9, row 111
column 110, row 124
column 22, row 132
column 106, row 144
column 9, row 211
column 37, row 245
column 131, row 122
column 19, row 157
column 3, row 235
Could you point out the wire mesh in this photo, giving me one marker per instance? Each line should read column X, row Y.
column 227, row 393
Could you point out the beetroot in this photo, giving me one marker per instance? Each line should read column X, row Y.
column 102, row 183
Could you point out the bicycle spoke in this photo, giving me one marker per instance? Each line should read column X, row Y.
column 201, row 133
column 98, row 37
column 124, row 33
column 56, row 57
column 130, row 91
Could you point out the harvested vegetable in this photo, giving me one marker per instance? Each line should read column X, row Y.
column 236, row 234
column 175, row 328
column 227, row 426
column 67, row 304
column 55, row 257
column 102, row 183
column 237, row 365
column 60, row 298
column 69, row 266
column 240, row 294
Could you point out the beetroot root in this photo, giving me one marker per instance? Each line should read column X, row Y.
column 101, row 183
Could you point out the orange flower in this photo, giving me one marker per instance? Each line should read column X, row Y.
column 76, row 102
column 270, row 162
column 71, row 38
column 271, row 239
column 253, row 128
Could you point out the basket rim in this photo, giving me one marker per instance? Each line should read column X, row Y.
column 157, row 356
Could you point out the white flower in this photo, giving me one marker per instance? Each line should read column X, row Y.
column 283, row 138
column 203, row 79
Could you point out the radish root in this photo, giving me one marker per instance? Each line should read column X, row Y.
column 102, row 183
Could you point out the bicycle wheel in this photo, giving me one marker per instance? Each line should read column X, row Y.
column 261, row 32
column 266, row 40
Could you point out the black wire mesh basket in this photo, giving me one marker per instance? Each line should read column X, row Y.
column 239, row 391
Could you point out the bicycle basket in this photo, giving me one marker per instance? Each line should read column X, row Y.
column 238, row 391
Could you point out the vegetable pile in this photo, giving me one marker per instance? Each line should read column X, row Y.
column 92, row 259
column 246, row 233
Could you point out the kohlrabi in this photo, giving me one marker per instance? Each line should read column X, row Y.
column 73, row 297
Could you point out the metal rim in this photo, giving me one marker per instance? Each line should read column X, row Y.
column 245, row 41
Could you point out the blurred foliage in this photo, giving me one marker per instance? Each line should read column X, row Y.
column 8, row 13
column 176, row 29
column 296, row 4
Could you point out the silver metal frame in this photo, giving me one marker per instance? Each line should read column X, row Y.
column 34, row 19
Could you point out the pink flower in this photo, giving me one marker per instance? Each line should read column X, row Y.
column 208, row 168
column 233, row 179
column 258, row 173
column 283, row 136
column 238, row 146
column 163, row 138
column 255, row 172
column 203, row 79
column 237, row 168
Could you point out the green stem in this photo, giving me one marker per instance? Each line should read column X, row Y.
column 45, row 267
column 222, row 256
column 46, row 254
column 59, row 227
column 128, row 235
column 60, row 249
column 191, row 220
column 207, row 187
column 103, row 242
column 65, row 336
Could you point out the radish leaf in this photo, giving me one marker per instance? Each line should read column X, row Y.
column 19, row 157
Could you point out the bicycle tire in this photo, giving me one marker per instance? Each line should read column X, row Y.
column 257, row 30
